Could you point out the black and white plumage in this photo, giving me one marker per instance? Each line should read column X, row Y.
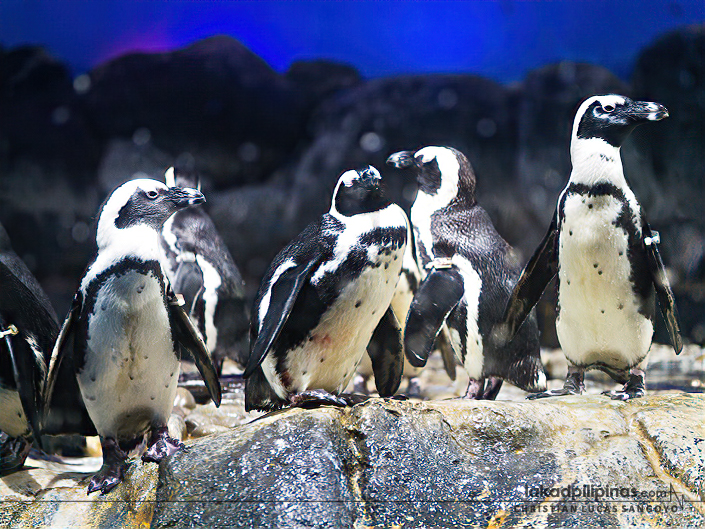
column 125, row 330
column 469, row 272
column 324, row 296
column 201, row 269
column 28, row 329
column 605, row 255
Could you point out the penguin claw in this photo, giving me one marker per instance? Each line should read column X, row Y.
column 161, row 446
column 633, row 389
column 552, row 393
column 107, row 478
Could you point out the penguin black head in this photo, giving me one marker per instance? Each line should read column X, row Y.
column 612, row 117
column 441, row 172
column 142, row 203
column 359, row 192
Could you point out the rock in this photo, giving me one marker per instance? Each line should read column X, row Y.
column 565, row 462
column 447, row 463
column 57, row 498
column 214, row 99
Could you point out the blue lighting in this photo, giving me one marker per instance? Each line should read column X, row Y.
column 498, row 39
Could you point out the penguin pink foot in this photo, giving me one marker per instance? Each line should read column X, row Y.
column 113, row 470
column 161, row 446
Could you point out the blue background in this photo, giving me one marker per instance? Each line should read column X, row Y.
column 499, row 39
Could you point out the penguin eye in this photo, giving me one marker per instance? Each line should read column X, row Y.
column 152, row 194
column 608, row 108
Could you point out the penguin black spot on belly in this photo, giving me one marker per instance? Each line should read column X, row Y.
column 146, row 357
column 140, row 288
column 323, row 359
column 93, row 378
column 386, row 266
column 153, row 397
column 620, row 306
column 396, row 257
column 621, row 253
column 570, row 233
column 304, row 372
column 358, row 303
column 599, row 272
column 19, row 414
column 589, row 206
column 132, row 377
column 594, row 265
column 602, row 311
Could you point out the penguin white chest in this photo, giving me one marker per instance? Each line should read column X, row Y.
column 598, row 317
column 131, row 371
column 329, row 355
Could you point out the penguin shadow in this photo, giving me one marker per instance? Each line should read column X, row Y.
column 312, row 401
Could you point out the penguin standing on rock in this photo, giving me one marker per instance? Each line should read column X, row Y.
column 605, row 255
column 126, row 330
column 323, row 298
column 200, row 268
column 469, row 272
column 28, row 329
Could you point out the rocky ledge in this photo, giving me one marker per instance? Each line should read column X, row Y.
column 566, row 462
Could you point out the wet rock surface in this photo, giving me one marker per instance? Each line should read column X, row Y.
column 564, row 462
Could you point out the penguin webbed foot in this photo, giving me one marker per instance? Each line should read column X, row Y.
column 161, row 445
column 573, row 385
column 13, row 453
column 316, row 398
column 477, row 390
column 633, row 389
column 113, row 470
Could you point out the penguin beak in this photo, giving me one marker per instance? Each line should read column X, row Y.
column 402, row 159
column 640, row 111
column 183, row 197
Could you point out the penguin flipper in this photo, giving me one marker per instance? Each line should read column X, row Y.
column 63, row 409
column 436, row 297
column 283, row 295
column 386, row 352
column 666, row 300
column 27, row 375
column 187, row 337
column 539, row 271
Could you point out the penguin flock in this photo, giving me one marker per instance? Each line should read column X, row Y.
column 362, row 284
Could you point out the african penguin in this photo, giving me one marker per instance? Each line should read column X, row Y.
column 468, row 273
column 605, row 255
column 28, row 329
column 126, row 330
column 324, row 296
column 199, row 267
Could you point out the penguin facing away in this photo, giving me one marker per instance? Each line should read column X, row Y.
column 469, row 272
column 605, row 255
column 201, row 269
column 28, row 329
column 322, row 299
column 126, row 330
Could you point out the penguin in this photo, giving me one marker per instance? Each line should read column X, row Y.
column 200, row 268
column 468, row 274
column 605, row 255
column 126, row 330
column 323, row 298
column 28, row 329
